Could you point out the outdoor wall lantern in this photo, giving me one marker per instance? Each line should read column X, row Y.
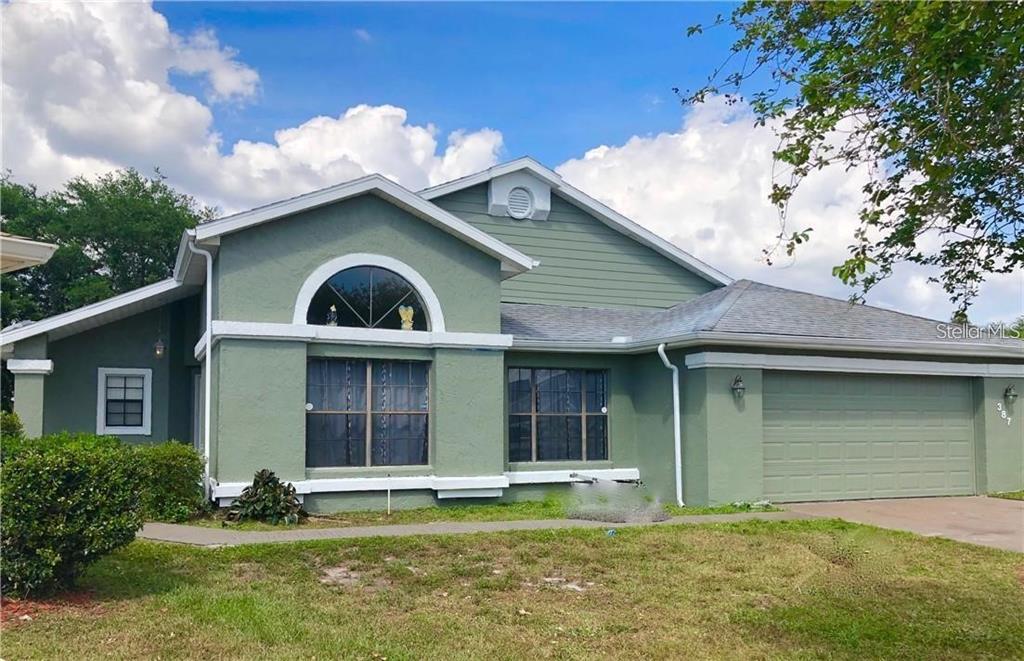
column 159, row 348
column 738, row 388
column 1010, row 394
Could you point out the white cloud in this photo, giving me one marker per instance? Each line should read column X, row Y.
column 363, row 35
column 705, row 187
column 86, row 89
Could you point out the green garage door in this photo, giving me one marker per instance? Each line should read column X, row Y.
column 844, row 436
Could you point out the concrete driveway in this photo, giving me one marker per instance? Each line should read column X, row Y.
column 995, row 522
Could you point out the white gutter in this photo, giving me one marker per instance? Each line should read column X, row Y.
column 702, row 338
column 677, row 432
column 206, row 365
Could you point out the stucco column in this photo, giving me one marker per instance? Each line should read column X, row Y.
column 29, row 383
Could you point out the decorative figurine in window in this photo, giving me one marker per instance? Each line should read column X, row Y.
column 332, row 316
column 406, row 312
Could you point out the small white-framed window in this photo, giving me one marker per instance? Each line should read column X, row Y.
column 124, row 401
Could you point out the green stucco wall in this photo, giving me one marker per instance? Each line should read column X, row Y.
column 259, row 272
column 582, row 260
column 1000, row 457
column 70, row 392
column 260, row 414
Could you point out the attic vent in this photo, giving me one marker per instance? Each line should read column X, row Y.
column 520, row 202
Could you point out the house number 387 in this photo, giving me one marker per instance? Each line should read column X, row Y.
column 1003, row 413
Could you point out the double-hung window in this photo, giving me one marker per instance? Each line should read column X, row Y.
column 557, row 414
column 366, row 413
column 124, row 401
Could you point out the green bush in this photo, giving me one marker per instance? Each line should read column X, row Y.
column 173, row 474
column 267, row 499
column 64, row 506
column 10, row 427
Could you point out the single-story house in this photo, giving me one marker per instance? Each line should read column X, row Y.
column 506, row 334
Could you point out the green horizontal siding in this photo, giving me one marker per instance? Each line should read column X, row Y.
column 583, row 262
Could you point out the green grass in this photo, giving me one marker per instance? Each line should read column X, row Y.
column 735, row 508
column 1010, row 495
column 796, row 589
column 551, row 508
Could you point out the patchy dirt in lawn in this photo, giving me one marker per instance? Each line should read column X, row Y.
column 345, row 577
column 14, row 612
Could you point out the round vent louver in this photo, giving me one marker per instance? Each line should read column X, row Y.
column 520, row 202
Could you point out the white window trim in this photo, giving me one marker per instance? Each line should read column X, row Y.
column 146, row 428
column 318, row 277
column 862, row 365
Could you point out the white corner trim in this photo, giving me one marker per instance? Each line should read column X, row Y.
column 362, row 336
column 860, row 365
column 325, row 271
column 30, row 366
column 512, row 260
column 405, row 483
column 566, row 476
column 601, row 211
column 146, row 428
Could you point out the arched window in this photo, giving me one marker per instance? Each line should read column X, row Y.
column 368, row 297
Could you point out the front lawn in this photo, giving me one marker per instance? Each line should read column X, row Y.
column 743, row 590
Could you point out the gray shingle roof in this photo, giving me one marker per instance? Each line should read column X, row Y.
column 744, row 307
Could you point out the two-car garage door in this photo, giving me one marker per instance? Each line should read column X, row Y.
column 844, row 436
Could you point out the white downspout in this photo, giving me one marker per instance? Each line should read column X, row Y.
column 206, row 364
column 677, row 432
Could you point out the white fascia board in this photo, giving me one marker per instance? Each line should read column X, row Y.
column 363, row 336
column 547, row 175
column 974, row 350
column 83, row 313
column 512, row 259
column 17, row 252
column 404, row 483
column 30, row 366
column 601, row 211
column 567, row 476
column 859, row 365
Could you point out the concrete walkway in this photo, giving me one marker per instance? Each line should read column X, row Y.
column 995, row 522
column 214, row 537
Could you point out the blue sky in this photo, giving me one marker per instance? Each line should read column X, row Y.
column 242, row 104
column 556, row 79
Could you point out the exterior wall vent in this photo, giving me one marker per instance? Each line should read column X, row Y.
column 520, row 202
column 519, row 195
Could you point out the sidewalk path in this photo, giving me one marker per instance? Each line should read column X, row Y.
column 200, row 536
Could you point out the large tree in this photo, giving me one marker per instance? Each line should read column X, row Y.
column 928, row 95
column 114, row 234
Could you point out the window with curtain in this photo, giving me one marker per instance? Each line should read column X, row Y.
column 557, row 414
column 367, row 297
column 366, row 413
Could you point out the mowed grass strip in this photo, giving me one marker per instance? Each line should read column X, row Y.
column 806, row 589
column 550, row 508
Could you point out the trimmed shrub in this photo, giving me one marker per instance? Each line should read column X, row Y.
column 65, row 505
column 173, row 474
column 10, row 426
column 267, row 499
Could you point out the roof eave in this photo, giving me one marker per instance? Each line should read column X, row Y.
column 688, row 340
column 513, row 261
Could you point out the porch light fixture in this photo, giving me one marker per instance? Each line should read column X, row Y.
column 738, row 389
column 159, row 348
column 1010, row 394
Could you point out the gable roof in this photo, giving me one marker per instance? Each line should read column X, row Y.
column 103, row 312
column 598, row 209
column 512, row 260
column 744, row 313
